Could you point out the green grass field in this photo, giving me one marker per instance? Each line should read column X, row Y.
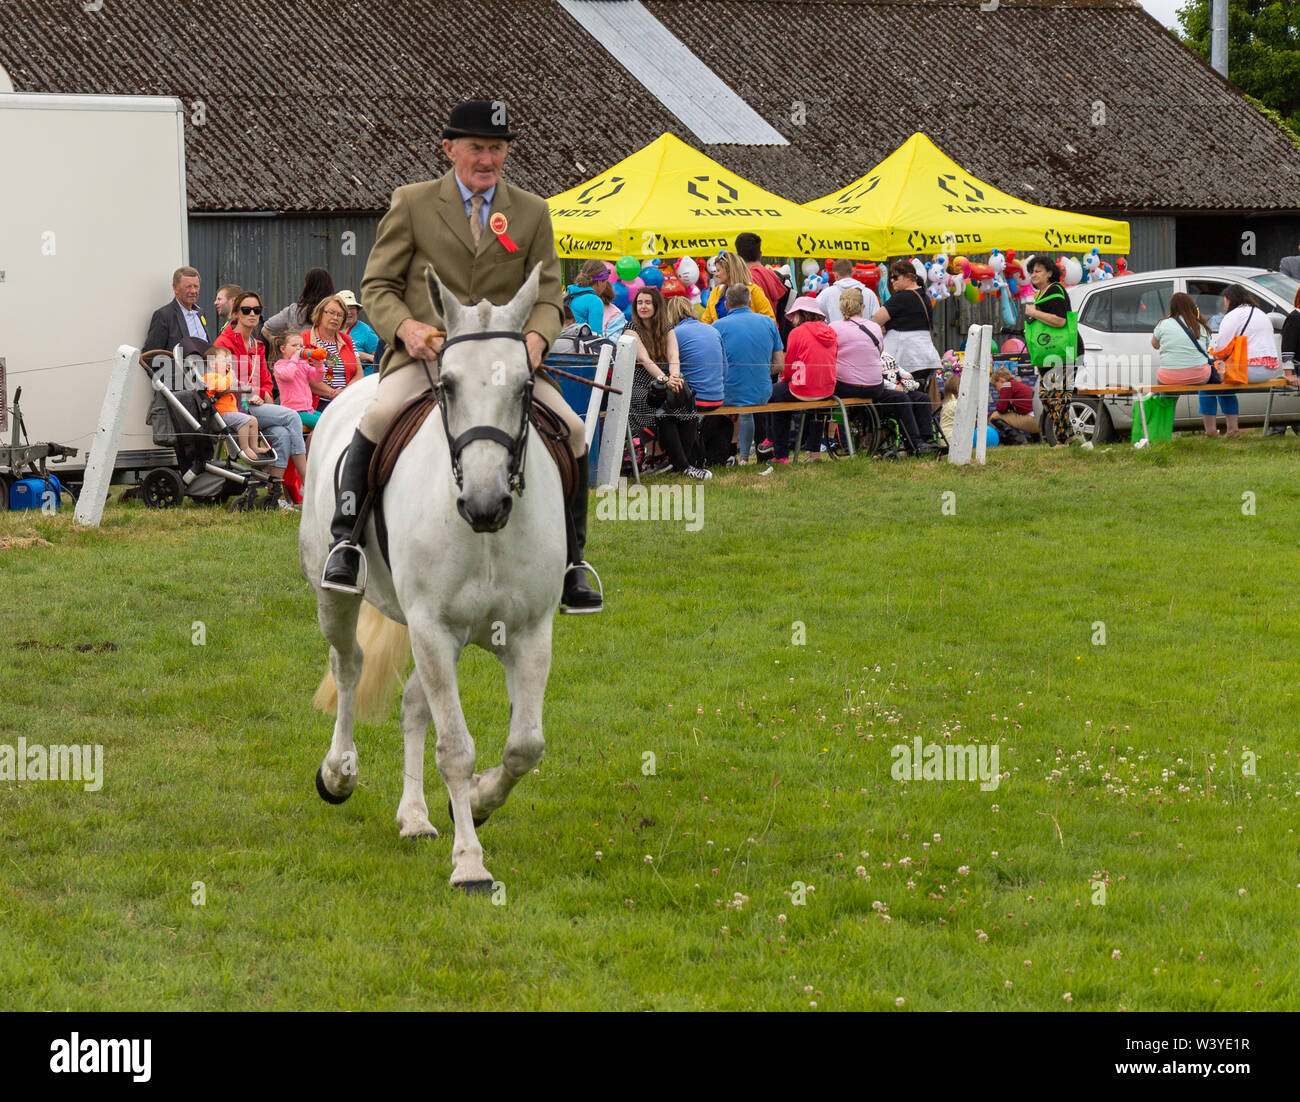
column 1122, row 761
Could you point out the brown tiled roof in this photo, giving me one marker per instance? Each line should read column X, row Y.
column 339, row 128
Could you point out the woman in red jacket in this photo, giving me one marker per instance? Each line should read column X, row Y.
column 341, row 363
column 281, row 427
column 809, row 373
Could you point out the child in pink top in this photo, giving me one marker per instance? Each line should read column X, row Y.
column 295, row 376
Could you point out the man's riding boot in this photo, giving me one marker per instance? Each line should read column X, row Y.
column 578, row 596
column 344, row 559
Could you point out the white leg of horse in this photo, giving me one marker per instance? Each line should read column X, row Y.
column 528, row 664
column 337, row 776
column 413, row 812
column 436, row 654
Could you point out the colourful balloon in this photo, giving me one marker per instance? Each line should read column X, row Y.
column 627, row 267
column 652, row 276
column 633, row 287
column 688, row 271
column 973, row 292
column 621, row 297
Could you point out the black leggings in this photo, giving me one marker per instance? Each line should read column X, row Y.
column 678, row 436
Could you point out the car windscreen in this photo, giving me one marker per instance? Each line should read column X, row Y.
column 1284, row 287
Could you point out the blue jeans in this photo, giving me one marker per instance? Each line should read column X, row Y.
column 1225, row 400
column 282, row 428
column 745, row 436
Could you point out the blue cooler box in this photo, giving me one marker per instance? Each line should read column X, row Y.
column 29, row 493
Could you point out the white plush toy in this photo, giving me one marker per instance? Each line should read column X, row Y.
column 937, row 271
column 1092, row 266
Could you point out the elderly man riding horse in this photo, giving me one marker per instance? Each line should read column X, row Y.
column 484, row 236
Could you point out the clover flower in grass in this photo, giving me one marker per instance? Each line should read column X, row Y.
column 963, row 870
column 1114, row 954
column 1068, row 997
column 900, row 1001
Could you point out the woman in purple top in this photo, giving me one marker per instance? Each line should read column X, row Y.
column 858, row 371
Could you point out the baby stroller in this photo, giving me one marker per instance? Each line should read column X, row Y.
column 183, row 417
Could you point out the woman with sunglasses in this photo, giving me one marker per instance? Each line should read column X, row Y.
column 281, row 427
column 906, row 318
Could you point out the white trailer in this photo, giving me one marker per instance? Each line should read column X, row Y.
column 92, row 224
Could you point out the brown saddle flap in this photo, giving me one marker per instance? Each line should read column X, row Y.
column 552, row 431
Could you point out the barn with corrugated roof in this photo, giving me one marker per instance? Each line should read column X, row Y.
column 304, row 117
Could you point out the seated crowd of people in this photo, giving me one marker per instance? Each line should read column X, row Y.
column 731, row 351
column 271, row 377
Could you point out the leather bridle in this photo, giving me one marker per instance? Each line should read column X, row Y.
column 515, row 445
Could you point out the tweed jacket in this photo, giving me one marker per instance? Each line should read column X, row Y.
column 426, row 224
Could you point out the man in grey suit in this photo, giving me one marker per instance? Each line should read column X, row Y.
column 180, row 318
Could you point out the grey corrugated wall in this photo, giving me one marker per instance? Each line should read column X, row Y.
column 1152, row 240
column 271, row 255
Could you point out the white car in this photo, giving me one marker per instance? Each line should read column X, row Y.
column 1116, row 318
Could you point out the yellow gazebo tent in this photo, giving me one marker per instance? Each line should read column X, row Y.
column 930, row 204
column 671, row 200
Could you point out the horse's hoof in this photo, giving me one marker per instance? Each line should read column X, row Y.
column 476, row 887
column 477, row 822
column 325, row 793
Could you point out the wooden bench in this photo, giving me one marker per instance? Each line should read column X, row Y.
column 801, row 408
column 1271, row 385
column 832, row 403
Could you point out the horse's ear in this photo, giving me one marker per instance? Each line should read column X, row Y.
column 515, row 312
column 446, row 307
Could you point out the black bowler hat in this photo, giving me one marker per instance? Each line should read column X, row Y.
column 479, row 118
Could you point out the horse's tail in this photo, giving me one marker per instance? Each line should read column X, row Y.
column 387, row 648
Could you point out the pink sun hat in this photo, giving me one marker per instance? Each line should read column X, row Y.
column 805, row 303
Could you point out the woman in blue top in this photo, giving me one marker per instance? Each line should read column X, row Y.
column 590, row 297
column 703, row 362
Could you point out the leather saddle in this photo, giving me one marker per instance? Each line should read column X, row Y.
column 553, row 433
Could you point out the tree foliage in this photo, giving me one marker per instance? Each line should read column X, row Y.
column 1263, row 49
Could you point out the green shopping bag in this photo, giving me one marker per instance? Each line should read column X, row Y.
column 1049, row 345
column 1159, row 410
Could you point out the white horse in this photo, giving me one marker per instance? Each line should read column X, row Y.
column 460, row 573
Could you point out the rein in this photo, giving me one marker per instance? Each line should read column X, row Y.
column 515, row 445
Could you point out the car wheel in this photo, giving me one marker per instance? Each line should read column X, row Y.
column 1105, row 431
column 1086, row 418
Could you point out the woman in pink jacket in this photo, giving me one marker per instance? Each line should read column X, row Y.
column 809, row 373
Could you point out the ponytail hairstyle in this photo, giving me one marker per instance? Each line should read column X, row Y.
column 595, row 274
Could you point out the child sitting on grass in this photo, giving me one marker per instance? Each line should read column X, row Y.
column 948, row 411
column 221, row 383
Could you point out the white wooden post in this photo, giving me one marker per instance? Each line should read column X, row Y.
column 963, row 429
column 983, row 366
column 593, row 403
column 103, row 449
column 613, row 440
